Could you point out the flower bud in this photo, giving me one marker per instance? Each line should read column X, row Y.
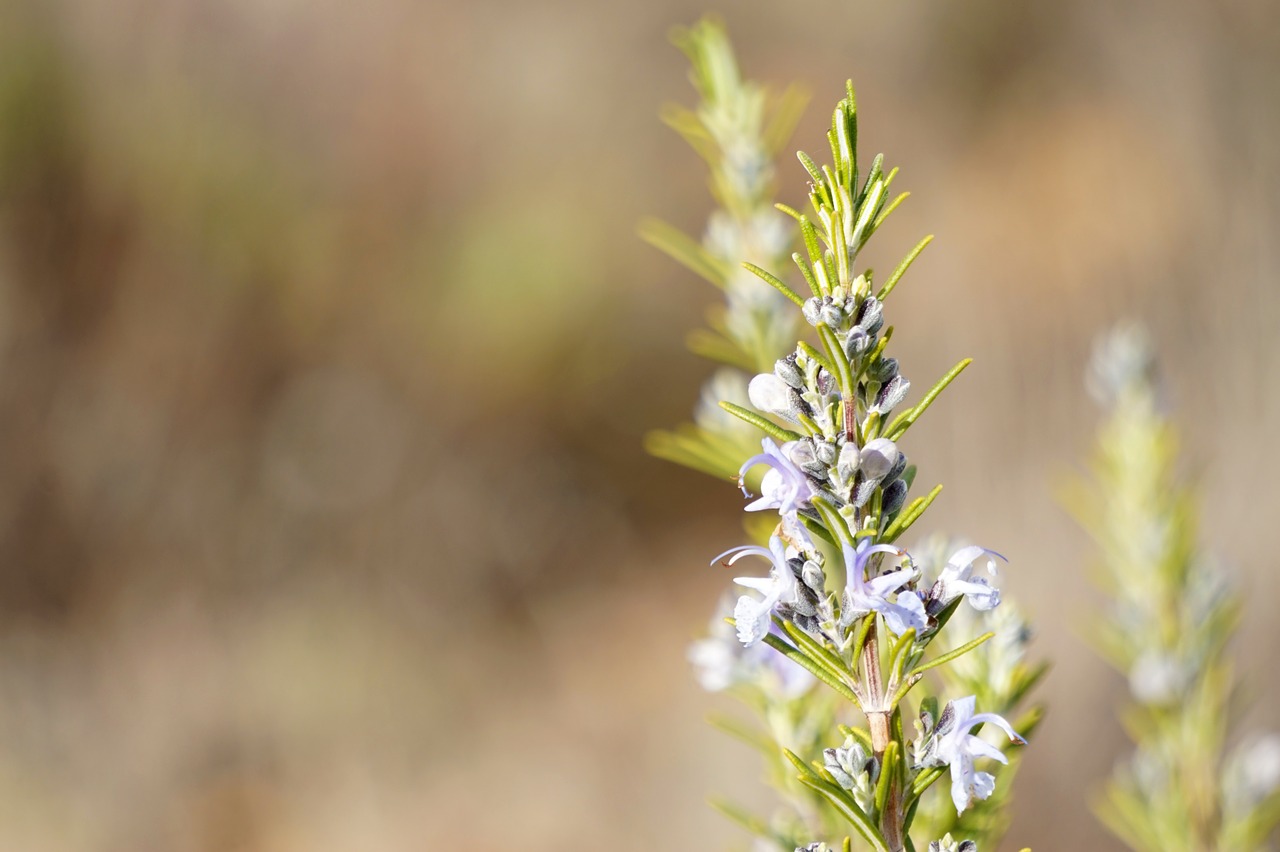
column 894, row 496
column 890, row 394
column 825, row 450
column 863, row 488
column 812, row 310
column 856, row 343
column 850, row 458
column 786, row 369
column 883, row 369
column 878, row 458
column 813, row 577
column 898, row 467
column 804, row 455
column 832, row 315
column 870, row 315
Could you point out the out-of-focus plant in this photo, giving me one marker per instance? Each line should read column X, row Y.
column 1170, row 615
column 848, row 624
column 738, row 129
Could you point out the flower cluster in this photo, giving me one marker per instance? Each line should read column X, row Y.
column 843, row 612
column 841, row 598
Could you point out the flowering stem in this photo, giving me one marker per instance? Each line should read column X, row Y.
column 879, row 717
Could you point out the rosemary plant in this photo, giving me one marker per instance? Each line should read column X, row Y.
column 848, row 625
column 738, row 129
column 1172, row 611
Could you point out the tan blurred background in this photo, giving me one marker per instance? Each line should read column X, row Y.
column 326, row 350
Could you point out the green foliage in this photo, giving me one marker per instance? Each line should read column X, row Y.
column 1170, row 616
column 833, row 395
column 738, row 129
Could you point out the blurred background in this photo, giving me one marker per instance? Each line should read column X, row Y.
column 327, row 348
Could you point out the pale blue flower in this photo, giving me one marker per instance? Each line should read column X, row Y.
column 721, row 662
column 953, row 745
column 751, row 615
column 863, row 595
column 957, row 578
column 785, row 487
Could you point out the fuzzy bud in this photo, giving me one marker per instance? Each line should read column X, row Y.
column 811, row 575
column 857, row 343
column 850, row 458
column 807, row 460
column 883, row 369
column 786, row 369
column 825, row 451
column 890, row 394
column 898, row 467
column 832, row 315
column 878, row 458
column 812, row 310
column 894, row 496
column 863, row 488
column 870, row 315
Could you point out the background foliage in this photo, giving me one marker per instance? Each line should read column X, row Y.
column 299, row 303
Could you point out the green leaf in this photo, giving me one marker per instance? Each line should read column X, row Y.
column 807, row 273
column 910, row 515
column 775, row 282
column 926, row 778
column 811, row 244
column 684, row 250
column 899, row 651
column 815, row 355
column 918, row 672
column 792, row 653
column 874, row 174
column 902, row 268
column 789, row 210
column 810, row 166
column 817, row 652
column 903, row 421
column 842, row 802
column 860, row 232
column 893, row 205
column 767, row 426
column 819, row 530
column 685, row 122
column 834, row 520
column 858, row 734
column 864, row 630
column 836, row 354
column 888, row 769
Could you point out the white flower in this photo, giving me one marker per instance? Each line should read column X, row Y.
column 953, row 745
column 957, row 579
column 720, row 662
column 752, row 615
column 862, row 596
column 769, row 393
column 785, row 487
